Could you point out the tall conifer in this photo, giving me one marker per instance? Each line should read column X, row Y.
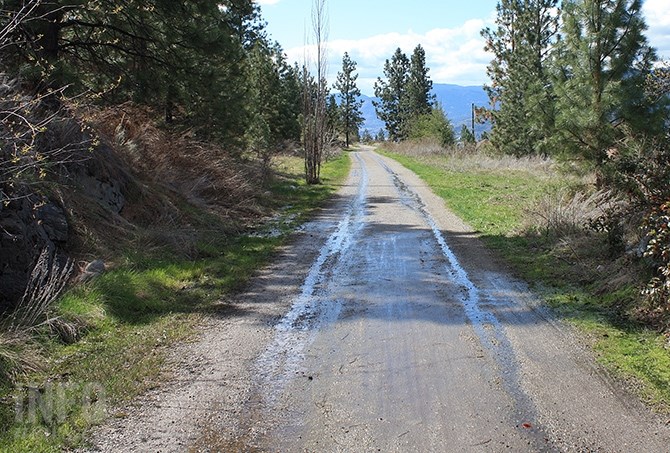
column 351, row 117
column 603, row 60
column 521, row 95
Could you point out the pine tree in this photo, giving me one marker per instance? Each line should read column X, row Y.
column 603, row 60
column 179, row 56
column 273, row 101
column 350, row 104
column 520, row 93
column 419, row 86
column 333, row 113
column 392, row 93
column 291, row 101
column 434, row 126
column 367, row 137
column 405, row 95
column 466, row 135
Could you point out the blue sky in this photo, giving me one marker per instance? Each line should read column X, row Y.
column 371, row 30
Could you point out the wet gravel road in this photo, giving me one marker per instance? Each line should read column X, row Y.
column 385, row 326
column 408, row 336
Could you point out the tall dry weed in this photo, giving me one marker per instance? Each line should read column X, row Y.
column 564, row 213
column 48, row 279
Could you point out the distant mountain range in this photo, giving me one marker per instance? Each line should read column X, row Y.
column 456, row 100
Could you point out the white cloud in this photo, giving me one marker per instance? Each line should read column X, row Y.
column 454, row 55
column 657, row 15
column 267, row 2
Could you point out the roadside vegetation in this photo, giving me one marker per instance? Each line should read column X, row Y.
column 151, row 159
column 161, row 281
column 543, row 217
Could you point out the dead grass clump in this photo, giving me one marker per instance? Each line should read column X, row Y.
column 47, row 281
column 18, row 356
column 563, row 213
column 586, row 231
column 202, row 173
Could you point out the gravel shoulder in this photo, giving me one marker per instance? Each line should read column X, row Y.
column 385, row 325
column 208, row 381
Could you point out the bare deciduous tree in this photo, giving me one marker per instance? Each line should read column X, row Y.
column 314, row 97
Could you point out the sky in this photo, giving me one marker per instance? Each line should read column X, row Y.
column 449, row 31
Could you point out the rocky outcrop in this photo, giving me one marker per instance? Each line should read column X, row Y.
column 28, row 225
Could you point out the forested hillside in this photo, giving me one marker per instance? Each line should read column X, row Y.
column 204, row 72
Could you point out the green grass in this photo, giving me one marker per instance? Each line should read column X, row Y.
column 135, row 312
column 495, row 203
column 489, row 200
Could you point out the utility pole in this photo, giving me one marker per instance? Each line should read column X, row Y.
column 473, row 122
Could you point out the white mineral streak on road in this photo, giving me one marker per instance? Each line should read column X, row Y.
column 476, row 315
column 296, row 330
column 493, row 338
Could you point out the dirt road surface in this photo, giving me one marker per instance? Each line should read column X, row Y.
column 385, row 326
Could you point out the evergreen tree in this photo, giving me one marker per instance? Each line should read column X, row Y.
column 367, row 137
column 466, row 135
column 392, row 93
column 166, row 54
column 433, row 125
column 521, row 96
column 290, row 100
column 603, row 60
column 380, row 137
column 419, row 86
column 273, row 100
column 263, row 93
column 333, row 113
column 405, row 95
column 351, row 117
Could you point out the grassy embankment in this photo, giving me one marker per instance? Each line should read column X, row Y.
column 135, row 312
column 501, row 198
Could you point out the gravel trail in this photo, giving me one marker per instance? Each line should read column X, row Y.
column 386, row 326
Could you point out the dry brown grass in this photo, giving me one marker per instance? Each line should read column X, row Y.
column 470, row 158
column 169, row 181
column 18, row 356
column 566, row 213
column 202, row 172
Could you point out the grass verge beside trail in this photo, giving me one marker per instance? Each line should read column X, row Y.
column 135, row 312
column 496, row 202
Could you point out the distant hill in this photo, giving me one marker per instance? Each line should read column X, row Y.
column 456, row 100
